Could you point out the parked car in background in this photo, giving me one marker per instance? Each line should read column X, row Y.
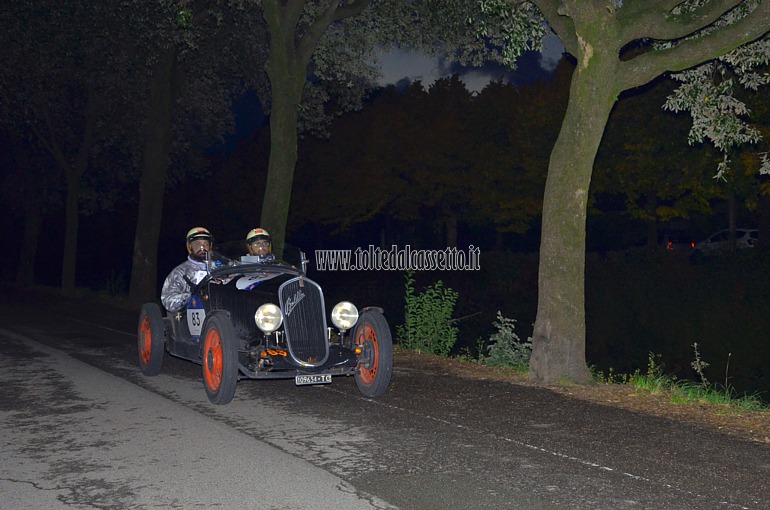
column 720, row 242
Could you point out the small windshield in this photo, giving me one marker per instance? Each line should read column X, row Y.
column 237, row 252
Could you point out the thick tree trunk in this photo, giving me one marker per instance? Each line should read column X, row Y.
column 559, row 336
column 164, row 89
column 72, row 225
column 594, row 32
column 283, row 159
column 287, row 71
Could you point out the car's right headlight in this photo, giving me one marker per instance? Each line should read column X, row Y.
column 268, row 317
column 344, row 315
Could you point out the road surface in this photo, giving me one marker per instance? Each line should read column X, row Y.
column 83, row 428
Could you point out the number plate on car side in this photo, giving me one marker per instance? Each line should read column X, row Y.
column 301, row 380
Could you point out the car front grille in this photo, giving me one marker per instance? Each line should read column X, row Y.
column 302, row 303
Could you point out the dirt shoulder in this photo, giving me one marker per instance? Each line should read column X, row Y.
column 751, row 425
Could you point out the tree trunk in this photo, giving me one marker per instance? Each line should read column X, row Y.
column 287, row 71
column 164, row 89
column 451, row 231
column 652, row 221
column 33, row 219
column 763, row 243
column 559, row 336
column 35, row 187
column 73, row 172
column 283, row 159
column 594, row 33
column 72, row 225
column 731, row 221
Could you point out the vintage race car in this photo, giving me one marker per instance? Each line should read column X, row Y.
column 249, row 318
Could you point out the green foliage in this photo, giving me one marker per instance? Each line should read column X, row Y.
column 428, row 324
column 611, row 377
column 184, row 18
column 699, row 366
column 683, row 391
column 506, row 348
column 655, row 380
column 666, row 304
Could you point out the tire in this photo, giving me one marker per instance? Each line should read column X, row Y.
column 151, row 339
column 220, row 359
column 376, row 361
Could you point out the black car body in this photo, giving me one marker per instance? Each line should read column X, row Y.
column 265, row 319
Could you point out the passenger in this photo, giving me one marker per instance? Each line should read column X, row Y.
column 260, row 244
column 176, row 290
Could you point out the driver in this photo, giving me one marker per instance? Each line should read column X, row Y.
column 260, row 244
column 176, row 290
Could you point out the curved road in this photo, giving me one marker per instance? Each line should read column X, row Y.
column 81, row 427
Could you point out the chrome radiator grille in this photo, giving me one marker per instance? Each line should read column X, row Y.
column 304, row 315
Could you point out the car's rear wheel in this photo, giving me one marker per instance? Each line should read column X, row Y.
column 220, row 359
column 372, row 334
column 151, row 339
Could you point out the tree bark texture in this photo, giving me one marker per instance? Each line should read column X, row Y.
column 33, row 220
column 283, row 160
column 287, row 66
column 287, row 71
column 560, row 331
column 164, row 90
column 73, row 172
column 594, row 32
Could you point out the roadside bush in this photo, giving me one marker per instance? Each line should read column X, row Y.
column 428, row 323
column 506, row 348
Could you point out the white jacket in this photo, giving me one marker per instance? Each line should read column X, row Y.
column 176, row 290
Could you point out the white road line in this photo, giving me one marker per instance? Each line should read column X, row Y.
column 540, row 449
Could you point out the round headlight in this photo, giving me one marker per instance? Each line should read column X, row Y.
column 268, row 317
column 344, row 315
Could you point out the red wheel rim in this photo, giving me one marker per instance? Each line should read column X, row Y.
column 367, row 338
column 145, row 341
column 212, row 360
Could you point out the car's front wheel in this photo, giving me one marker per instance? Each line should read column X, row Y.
column 151, row 339
column 372, row 334
column 220, row 359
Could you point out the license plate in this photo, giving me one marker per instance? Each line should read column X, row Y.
column 301, row 380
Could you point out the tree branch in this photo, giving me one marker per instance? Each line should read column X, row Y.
column 689, row 53
column 351, row 9
column 561, row 25
column 675, row 27
column 333, row 13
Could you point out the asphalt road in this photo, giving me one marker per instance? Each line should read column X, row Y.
column 83, row 428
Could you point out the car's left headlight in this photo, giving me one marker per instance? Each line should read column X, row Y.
column 344, row 315
column 268, row 317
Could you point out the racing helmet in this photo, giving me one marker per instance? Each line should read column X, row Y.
column 258, row 234
column 198, row 233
